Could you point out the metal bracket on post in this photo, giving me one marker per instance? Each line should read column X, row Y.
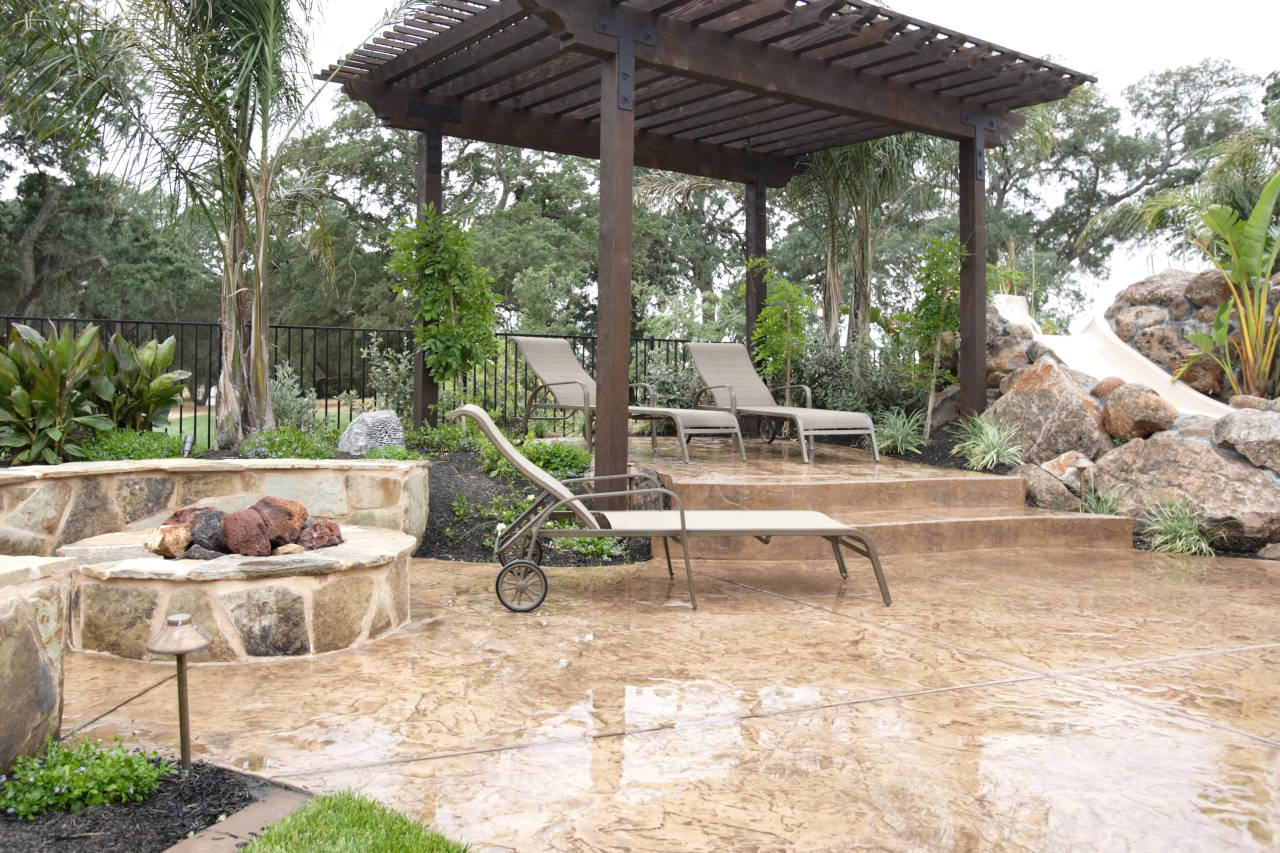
column 627, row 35
column 981, row 123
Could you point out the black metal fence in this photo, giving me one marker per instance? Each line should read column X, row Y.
column 333, row 361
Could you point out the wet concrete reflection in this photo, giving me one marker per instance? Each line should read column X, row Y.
column 1033, row 699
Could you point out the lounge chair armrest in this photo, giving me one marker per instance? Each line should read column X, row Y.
column 586, row 396
column 602, row 478
column 733, row 397
column 808, row 392
column 653, row 395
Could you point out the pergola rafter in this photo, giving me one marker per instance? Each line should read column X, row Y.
column 738, row 90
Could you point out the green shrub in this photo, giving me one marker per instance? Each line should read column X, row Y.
column 347, row 821
column 292, row 406
column 900, row 432
column 132, row 444
column 1174, row 527
column 674, row 385
column 446, row 438
column 288, row 442
column 862, row 377
column 985, row 443
column 137, row 389
column 560, row 460
column 47, row 394
column 70, row 778
column 393, row 452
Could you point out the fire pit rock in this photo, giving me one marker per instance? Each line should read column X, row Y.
column 254, row 606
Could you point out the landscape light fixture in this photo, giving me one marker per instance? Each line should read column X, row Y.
column 180, row 638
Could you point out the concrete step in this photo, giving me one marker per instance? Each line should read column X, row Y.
column 921, row 492
column 958, row 529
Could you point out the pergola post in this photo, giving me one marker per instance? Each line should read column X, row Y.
column 613, row 314
column 430, row 191
column 973, row 277
column 757, row 228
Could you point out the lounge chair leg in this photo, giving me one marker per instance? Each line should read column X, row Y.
column 742, row 447
column 688, row 571
column 835, row 546
column 875, row 448
column 804, row 446
column 666, row 549
column 683, row 442
column 653, row 436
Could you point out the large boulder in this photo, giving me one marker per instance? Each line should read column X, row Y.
column 1253, row 433
column 1159, row 344
column 1045, row 490
column 1208, row 288
column 1136, row 411
column 1204, row 374
column 1132, row 320
column 1231, row 494
column 1051, row 414
column 1160, row 289
column 372, row 429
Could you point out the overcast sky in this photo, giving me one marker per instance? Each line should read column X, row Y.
column 1117, row 41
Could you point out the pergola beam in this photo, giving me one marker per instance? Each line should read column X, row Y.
column 761, row 70
column 504, row 126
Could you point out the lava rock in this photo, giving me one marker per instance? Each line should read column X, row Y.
column 186, row 514
column 323, row 534
column 283, row 518
column 199, row 552
column 246, row 533
column 206, row 531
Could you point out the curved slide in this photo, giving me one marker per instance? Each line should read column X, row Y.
column 1099, row 352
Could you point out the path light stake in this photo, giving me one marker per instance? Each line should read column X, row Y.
column 180, row 638
column 1081, row 465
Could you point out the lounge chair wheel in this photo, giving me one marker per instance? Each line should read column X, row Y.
column 517, row 428
column 521, row 586
column 767, row 432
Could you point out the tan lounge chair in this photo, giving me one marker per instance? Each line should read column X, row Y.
column 570, row 388
column 522, row 585
column 735, row 386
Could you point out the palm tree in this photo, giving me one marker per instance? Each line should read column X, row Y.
column 223, row 92
column 847, row 197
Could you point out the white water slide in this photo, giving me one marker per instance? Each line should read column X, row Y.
column 1099, row 352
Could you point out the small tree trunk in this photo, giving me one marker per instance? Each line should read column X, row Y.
column 30, row 290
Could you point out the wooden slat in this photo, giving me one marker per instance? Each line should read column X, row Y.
column 806, row 122
column 744, row 125
column 496, row 70
column 541, row 132
column 516, row 85
column 447, row 43
column 482, row 54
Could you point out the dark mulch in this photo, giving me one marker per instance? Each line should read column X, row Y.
column 177, row 809
column 450, row 538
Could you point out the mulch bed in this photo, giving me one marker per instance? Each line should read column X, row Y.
column 177, row 809
column 448, row 538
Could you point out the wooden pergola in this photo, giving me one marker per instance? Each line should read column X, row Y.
column 736, row 90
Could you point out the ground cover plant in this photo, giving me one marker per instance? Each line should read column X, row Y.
column 69, row 778
column 900, row 432
column 347, row 822
column 131, row 444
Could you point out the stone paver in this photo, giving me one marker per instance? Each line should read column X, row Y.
column 1023, row 698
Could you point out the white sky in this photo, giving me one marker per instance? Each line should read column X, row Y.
column 1117, row 41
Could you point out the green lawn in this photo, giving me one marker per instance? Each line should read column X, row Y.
column 347, row 822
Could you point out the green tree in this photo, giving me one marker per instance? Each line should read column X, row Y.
column 780, row 333
column 454, row 317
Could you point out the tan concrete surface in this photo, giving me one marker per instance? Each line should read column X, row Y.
column 1040, row 699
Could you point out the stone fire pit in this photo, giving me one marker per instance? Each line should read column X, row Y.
column 254, row 607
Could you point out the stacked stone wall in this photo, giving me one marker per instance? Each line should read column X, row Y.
column 33, row 635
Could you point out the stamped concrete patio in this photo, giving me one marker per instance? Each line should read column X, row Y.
column 1046, row 698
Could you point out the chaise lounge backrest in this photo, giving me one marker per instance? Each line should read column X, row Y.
column 730, row 364
column 552, row 361
column 521, row 463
